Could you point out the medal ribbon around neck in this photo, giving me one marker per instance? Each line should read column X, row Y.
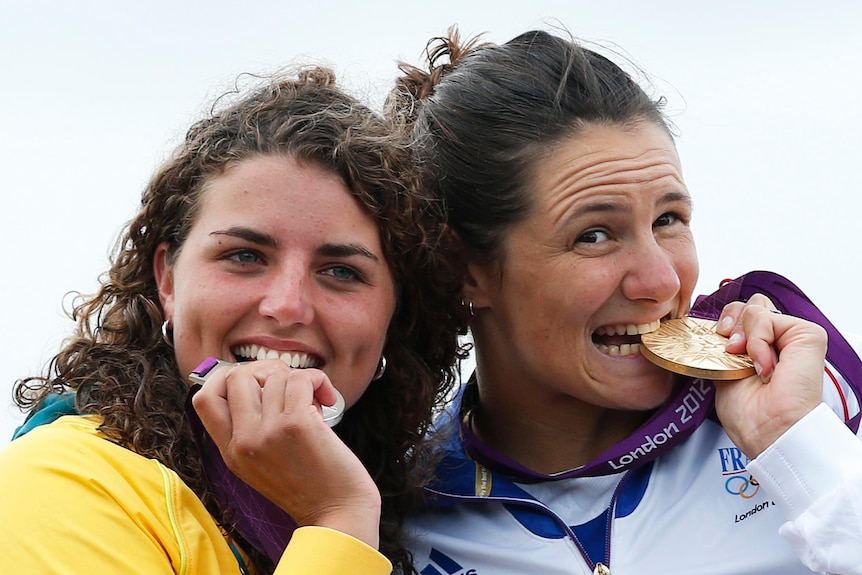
column 683, row 412
column 263, row 524
column 693, row 399
column 672, row 423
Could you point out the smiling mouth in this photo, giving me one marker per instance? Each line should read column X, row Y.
column 253, row 352
column 622, row 339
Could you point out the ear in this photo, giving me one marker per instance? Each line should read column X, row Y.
column 480, row 284
column 164, row 274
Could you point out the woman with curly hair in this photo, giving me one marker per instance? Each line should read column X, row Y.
column 283, row 239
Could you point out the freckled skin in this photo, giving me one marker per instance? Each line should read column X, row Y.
column 607, row 242
column 260, row 266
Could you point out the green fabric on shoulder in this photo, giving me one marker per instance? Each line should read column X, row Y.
column 50, row 409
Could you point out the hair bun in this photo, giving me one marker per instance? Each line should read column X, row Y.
column 442, row 54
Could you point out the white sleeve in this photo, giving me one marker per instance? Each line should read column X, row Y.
column 814, row 472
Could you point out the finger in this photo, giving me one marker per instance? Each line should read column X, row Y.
column 730, row 322
column 244, row 398
column 287, row 390
column 309, row 389
column 729, row 317
column 802, row 352
column 275, row 398
column 760, row 300
column 211, row 405
column 760, row 330
column 271, row 376
column 325, row 392
column 730, row 325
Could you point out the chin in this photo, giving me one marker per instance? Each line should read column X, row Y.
column 648, row 395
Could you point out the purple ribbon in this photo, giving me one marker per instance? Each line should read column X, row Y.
column 693, row 399
column 673, row 422
column 258, row 520
column 789, row 299
column 268, row 528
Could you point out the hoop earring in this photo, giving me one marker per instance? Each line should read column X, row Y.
column 168, row 333
column 470, row 309
column 381, row 368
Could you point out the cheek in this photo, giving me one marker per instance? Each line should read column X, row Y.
column 191, row 301
column 202, row 317
column 689, row 268
column 363, row 322
column 381, row 319
column 358, row 333
column 546, row 315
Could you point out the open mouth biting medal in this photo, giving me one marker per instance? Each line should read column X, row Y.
column 691, row 346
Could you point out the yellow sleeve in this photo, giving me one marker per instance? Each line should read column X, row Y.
column 74, row 503
column 322, row 551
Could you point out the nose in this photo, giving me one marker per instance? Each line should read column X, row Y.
column 287, row 297
column 652, row 273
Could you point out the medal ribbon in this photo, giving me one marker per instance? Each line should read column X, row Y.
column 262, row 523
column 268, row 528
column 689, row 404
column 692, row 400
column 672, row 423
column 791, row 300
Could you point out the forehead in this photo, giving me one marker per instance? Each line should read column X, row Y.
column 601, row 156
column 283, row 195
column 266, row 181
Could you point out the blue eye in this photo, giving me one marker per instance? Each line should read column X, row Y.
column 245, row 257
column 342, row 273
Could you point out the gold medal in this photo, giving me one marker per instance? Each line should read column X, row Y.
column 692, row 347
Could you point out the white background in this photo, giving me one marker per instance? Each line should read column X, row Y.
column 766, row 96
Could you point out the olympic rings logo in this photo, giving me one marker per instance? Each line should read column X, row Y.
column 742, row 486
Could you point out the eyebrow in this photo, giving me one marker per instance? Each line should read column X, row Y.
column 673, row 197
column 266, row 240
column 249, row 235
column 346, row 250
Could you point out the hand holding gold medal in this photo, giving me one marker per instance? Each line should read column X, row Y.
column 691, row 346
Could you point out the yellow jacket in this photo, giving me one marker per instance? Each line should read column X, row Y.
column 75, row 503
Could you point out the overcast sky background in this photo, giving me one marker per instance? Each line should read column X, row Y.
column 765, row 95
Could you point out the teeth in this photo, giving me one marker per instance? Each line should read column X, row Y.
column 628, row 329
column 620, row 350
column 254, row 352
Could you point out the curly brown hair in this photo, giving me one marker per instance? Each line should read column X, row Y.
column 120, row 367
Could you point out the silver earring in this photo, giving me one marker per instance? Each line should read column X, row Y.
column 168, row 333
column 470, row 309
column 381, row 368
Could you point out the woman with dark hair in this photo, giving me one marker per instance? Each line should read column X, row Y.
column 282, row 238
column 569, row 451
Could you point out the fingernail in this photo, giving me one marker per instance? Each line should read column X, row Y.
column 725, row 323
column 735, row 337
column 759, row 370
